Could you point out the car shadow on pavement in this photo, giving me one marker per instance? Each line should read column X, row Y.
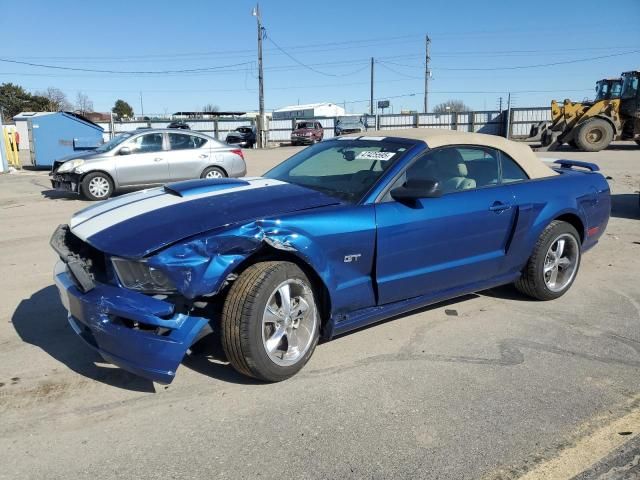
column 213, row 367
column 41, row 320
column 625, row 205
column 60, row 195
column 208, row 358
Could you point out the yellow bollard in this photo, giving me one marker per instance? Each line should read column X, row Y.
column 11, row 148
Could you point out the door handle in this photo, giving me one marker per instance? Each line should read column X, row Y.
column 203, row 156
column 499, row 206
column 157, row 159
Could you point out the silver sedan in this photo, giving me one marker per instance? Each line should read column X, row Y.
column 146, row 158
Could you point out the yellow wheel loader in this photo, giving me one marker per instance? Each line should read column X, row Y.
column 569, row 120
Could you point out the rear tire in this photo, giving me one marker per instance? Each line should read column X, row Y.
column 270, row 324
column 594, row 135
column 538, row 279
column 97, row 186
column 213, row 172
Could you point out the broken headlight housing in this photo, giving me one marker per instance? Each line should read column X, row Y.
column 140, row 276
column 70, row 165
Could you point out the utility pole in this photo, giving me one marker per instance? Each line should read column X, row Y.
column 371, row 95
column 500, row 103
column 507, row 134
column 427, row 72
column 261, row 119
column 141, row 106
column 4, row 162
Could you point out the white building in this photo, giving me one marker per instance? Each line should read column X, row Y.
column 310, row 110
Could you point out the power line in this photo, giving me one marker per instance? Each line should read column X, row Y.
column 551, row 64
column 153, row 72
column 309, row 67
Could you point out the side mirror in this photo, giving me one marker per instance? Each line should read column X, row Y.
column 124, row 151
column 414, row 190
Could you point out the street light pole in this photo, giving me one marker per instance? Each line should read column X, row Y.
column 261, row 119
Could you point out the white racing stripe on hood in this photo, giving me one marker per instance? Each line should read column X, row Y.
column 102, row 207
column 110, row 217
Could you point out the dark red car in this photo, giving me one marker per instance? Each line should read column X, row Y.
column 306, row 133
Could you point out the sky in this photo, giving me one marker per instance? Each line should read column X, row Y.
column 318, row 51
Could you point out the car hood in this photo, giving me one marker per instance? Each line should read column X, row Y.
column 137, row 224
column 299, row 131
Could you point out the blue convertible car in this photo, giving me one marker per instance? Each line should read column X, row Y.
column 344, row 233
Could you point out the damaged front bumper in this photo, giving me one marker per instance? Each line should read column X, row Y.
column 68, row 182
column 135, row 332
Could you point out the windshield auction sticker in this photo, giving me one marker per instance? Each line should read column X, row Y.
column 369, row 155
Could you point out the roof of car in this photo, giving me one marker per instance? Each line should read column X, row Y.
column 438, row 137
column 145, row 130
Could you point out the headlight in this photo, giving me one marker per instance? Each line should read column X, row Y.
column 141, row 276
column 70, row 165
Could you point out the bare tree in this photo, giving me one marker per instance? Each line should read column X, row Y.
column 83, row 103
column 58, row 101
column 210, row 108
column 451, row 106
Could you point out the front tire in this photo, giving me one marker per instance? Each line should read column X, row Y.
column 594, row 135
column 554, row 264
column 270, row 323
column 97, row 186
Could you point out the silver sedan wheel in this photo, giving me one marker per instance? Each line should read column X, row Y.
column 289, row 322
column 213, row 174
column 561, row 262
column 99, row 187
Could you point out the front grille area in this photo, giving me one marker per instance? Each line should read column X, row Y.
column 71, row 248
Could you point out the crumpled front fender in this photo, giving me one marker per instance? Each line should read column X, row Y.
column 201, row 265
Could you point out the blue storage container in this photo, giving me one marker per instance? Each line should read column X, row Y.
column 53, row 135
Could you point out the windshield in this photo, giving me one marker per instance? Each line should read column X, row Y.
column 114, row 142
column 608, row 89
column 305, row 125
column 629, row 86
column 346, row 169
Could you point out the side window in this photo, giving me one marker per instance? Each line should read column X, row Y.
column 511, row 171
column 482, row 165
column 151, row 142
column 456, row 168
column 179, row 141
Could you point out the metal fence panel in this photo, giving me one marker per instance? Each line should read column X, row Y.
column 488, row 122
column 395, row 121
column 435, row 120
column 280, row 130
column 522, row 119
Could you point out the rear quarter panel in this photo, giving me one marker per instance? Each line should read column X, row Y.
column 583, row 194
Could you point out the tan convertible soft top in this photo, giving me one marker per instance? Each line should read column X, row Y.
column 438, row 137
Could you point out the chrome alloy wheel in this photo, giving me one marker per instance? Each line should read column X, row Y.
column 289, row 322
column 213, row 174
column 99, row 187
column 561, row 262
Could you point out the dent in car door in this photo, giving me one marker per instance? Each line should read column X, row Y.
column 146, row 164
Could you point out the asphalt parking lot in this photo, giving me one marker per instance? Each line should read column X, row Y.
column 491, row 385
